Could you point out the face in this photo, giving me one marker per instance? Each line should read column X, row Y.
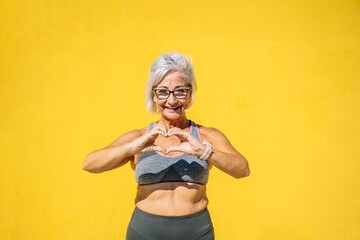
column 172, row 108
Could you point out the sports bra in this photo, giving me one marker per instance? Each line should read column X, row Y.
column 155, row 167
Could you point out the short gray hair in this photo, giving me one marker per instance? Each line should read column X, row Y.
column 169, row 61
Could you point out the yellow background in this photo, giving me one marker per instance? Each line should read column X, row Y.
column 279, row 78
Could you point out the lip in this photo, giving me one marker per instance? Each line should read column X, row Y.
column 172, row 109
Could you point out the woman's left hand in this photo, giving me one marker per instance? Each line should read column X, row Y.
column 189, row 144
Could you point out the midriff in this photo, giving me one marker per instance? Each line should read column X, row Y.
column 172, row 198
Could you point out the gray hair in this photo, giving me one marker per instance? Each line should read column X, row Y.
column 168, row 62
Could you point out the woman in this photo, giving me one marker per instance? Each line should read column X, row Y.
column 171, row 158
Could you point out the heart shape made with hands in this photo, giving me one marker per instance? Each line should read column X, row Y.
column 167, row 142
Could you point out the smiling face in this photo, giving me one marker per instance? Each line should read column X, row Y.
column 172, row 108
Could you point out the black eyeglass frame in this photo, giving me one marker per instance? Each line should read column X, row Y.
column 171, row 92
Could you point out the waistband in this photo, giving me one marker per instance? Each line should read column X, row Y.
column 187, row 216
column 150, row 226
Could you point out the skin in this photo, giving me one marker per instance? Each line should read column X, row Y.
column 170, row 136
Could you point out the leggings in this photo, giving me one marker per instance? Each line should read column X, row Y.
column 148, row 226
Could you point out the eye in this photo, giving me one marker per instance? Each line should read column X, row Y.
column 162, row 91
column 181, row 93
column 181, row 90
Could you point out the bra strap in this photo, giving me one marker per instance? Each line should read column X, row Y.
column 195, row 130
column 151, row 126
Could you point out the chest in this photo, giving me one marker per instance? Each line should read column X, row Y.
column 166, row 142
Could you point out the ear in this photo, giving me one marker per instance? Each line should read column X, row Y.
column 154, row 102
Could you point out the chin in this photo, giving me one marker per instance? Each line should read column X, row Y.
column 172, row 116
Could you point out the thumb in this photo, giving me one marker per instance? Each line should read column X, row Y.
column 153, row 148
column 173, row 149
column 159, row 149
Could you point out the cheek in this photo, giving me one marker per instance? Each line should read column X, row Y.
column 158, row 103
column 155, row 100
column 188, row 100
column 186, row 103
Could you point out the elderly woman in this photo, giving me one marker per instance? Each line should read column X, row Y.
column 171, row 158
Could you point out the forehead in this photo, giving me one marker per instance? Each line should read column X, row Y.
column 173, row 79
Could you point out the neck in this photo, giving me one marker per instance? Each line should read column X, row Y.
column 181, row 123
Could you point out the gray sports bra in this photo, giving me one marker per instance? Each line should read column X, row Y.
column 154, row 167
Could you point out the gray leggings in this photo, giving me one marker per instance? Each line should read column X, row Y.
column 147, row 226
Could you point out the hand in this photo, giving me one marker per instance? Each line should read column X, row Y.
column 189, row 145
column 145, row 143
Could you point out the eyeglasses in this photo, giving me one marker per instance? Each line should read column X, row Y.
column 179, row 93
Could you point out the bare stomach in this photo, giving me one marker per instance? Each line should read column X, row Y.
column 172, row 198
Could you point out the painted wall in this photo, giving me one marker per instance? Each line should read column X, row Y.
column 279, row 78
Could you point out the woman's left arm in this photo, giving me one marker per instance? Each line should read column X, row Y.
column 224, row 156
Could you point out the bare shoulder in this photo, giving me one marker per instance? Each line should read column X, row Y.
column 127, row 137
column 216, row 138
column 210, row 133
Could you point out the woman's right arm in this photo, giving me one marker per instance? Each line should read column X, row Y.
column 112, row 156
column 123, row 150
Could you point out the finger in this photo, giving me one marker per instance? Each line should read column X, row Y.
column 154, row 133
column 174, row 149
column 159, row 129
column 152, row 148
column 149, row 136
column 160, row 126
column 184, row 147
column 180, row 133
column 175, row 129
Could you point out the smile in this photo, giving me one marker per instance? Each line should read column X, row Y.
column 172, row 109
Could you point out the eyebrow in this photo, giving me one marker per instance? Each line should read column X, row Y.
column 167, row 87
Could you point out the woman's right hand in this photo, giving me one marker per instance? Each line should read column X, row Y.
column 145, row 143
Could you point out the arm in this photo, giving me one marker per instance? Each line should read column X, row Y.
column 113, row 156
column 224, row 156
column 123, row 150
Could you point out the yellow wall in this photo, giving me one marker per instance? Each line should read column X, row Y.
column 279, row 78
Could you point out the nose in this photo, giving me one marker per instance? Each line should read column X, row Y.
column 171, row 99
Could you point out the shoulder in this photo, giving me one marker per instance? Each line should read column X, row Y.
column 210, row 133
column 216, row 138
